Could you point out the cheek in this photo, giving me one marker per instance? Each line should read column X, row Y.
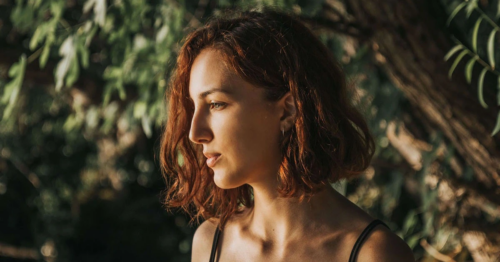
column 253, row 139
column 249, row 140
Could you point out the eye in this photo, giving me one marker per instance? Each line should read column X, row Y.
column 217, row 106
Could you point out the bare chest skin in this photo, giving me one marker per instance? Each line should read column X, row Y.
column 330, row 249
column 330, row 243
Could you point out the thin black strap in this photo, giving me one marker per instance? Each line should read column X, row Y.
column 361, row 238
column 214, row 244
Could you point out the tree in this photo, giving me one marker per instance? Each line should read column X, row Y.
column 86, row 83
column 409, row 40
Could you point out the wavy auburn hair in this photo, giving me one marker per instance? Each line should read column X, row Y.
column 274, row 51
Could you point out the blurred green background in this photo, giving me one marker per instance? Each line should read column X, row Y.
column 82, row 86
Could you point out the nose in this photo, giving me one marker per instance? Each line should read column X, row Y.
column 200, row 131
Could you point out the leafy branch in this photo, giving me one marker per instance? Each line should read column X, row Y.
column 471, row 6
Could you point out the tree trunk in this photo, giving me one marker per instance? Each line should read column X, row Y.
column 410, row 40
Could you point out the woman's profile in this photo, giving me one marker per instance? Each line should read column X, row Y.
column 260, row 123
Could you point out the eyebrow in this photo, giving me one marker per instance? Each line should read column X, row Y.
column 214, row 90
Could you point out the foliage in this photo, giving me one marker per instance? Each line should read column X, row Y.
column 77, row 145
column 484, row 31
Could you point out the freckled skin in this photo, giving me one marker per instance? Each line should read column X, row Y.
column 245, row 131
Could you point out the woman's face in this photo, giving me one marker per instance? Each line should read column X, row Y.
column 233, row 119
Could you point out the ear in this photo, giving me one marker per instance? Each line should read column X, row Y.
column 288, row 111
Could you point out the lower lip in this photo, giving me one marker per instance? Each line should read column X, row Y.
column 212, row 161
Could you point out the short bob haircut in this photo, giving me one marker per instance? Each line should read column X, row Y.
column 274, row 51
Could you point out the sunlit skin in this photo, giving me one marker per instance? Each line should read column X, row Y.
column 246, row 129
column 241, row 126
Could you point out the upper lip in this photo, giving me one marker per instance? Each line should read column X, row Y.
column 210, row 154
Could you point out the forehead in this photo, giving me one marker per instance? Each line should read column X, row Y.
column 209, row 71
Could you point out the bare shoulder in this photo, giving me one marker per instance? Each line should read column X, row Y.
column 202, row 240
column 383, row 245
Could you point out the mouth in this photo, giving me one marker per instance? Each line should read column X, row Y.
column 211, row 161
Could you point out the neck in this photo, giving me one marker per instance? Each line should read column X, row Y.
column 281, row 220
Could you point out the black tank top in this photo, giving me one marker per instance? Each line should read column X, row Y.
column 354, row 252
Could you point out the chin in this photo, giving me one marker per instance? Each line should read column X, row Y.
column 224, row 181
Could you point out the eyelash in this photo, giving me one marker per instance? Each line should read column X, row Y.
column 214, row 103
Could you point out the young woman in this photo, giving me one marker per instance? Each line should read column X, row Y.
column 260, row 123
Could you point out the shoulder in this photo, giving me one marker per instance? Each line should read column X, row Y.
column 202, row 240
column 383, row 245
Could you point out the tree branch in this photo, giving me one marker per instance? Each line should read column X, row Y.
column 18, row 252
column 342, row 27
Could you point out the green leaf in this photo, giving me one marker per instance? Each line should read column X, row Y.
column 480, row 87
column 121, row 90
column 470, row 7
column 68, row 52
column 452, row 51
column 498, row 91
column 498, row 10
column 457, row 60
column 36, row 3
column 73, row 72
column 88, row 5
column 455, row 12
column 84, row 54
column 22, row 17
column 497, row 125
column 413, row 240
column 410, row 223
column 140, row 109
column 14, row 69
column 491, row 54
column 57, row 9
column 72, row 122
column 45, row 55
column 12, row 89
column 468, row 69
column 146, row 125
column 99, row 10
column 46, row 50
column 90, row 35
column 37, row 37
column 162, row 33
column 474, row 34
column 108, row 89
